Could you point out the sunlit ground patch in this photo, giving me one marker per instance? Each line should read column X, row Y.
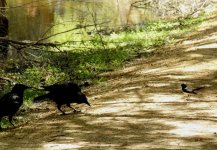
column 56, row 146
column 154, row 70
column 213, row 45
column 203, row 40
column 197, row 67
column 165, row 97
column 110, row 109
column 184, row 76
column 192, row 128
column 196, row 55
column 158, row 84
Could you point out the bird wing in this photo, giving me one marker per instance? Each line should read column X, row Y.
column 4, row 98
column 187, row 90
column 15, row 99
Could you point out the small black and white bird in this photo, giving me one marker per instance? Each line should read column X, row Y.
column 11, row 102
column 188, row 90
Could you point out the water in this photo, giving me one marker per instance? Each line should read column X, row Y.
column 35, row 19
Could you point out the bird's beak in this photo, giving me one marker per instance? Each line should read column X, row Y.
column 88, row 103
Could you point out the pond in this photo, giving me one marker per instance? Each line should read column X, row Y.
column 34, row 19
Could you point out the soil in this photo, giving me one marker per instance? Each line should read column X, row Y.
column 140, row 106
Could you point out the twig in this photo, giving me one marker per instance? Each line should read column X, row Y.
column 145, row 3
column 39, row 42
column 96, row 28
column 76, row 28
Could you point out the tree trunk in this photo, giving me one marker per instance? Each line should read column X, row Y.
column 3, row 30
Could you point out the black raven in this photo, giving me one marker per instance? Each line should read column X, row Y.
column 65, row 93
column 11, row 102
column 187, row 90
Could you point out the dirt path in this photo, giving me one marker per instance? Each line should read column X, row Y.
column 141, row 106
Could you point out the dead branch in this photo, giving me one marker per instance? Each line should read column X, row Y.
column 27, row 43
column 6, row 79
column 38, row 43
column 76, row 28
column 141, row 3
column 198, row 9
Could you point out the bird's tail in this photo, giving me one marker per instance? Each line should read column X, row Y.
column 41, row 97
column 197, row 89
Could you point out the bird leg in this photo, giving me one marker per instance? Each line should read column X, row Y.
column 74, row 110
column 10, row 120
column 59, row 107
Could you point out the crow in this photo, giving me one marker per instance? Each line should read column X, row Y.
column 65, row 93
column 11, row 102
column 191, row 91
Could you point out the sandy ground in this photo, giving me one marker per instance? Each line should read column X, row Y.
column 141, row 105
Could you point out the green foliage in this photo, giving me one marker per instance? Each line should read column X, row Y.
column 50, row 73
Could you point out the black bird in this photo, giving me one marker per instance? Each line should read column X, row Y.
column 65, row 93
column 11, row 102
column 191, row 91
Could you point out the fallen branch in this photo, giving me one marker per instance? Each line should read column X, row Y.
column 6, row 79
column 76, row 28
column 141, row 4
column 28, row 43
column 25, row 44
